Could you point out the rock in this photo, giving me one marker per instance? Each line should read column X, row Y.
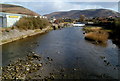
column 51, row 59
column 108, row 63
column 105, row 60
column 102, row 57
column 23, row 68
column 27, row 68
column 74, row 69
column 36, row 56
column 48, row 58
column 115, row 68
column 37, row 45
column 40, row 65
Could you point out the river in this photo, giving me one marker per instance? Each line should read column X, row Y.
column 69, row 50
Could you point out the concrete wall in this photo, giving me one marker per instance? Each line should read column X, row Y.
column 9, row 19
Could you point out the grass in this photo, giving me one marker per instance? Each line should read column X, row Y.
column 37, row 30
column 7, row 29
column 100, row 36
column 92, row 28
column 109, row 31
column 96, row 34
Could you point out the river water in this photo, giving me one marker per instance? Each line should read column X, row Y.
column 69, row 50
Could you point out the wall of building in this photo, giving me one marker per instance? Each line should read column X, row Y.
column 12, row 19
column 9, row 19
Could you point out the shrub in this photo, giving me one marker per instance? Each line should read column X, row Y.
column 117, row 23
column 117, row 28
column 32, row 23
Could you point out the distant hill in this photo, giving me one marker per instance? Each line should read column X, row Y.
column 8, row 8
column 88, row 13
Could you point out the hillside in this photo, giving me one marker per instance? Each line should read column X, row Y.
column 88, row 13
column 8, row 8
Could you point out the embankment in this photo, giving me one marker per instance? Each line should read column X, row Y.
column 15, row 34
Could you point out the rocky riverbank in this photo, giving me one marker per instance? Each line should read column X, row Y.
column 16, row 34
column 30, row 67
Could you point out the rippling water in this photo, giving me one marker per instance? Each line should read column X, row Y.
column 69, row 50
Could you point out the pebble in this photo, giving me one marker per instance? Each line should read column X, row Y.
column 21, row 68
column 74, row 69
column 115, row 68
column 102, row 57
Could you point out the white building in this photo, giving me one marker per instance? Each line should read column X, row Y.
column 44, row 17
column 9, row 19
column 52, row 19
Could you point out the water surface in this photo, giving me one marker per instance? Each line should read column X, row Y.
column 69, row 50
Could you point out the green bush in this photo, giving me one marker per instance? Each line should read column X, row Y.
column 32, row 23
column 117, row 27
column 117, row 22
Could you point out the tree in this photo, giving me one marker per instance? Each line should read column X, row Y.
column 82, row 18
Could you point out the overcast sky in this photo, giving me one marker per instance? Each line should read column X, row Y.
column 45, row 7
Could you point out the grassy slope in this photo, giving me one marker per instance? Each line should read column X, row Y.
column 8, row 8
column 87, row 13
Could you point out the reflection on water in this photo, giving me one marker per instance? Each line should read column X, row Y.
column 102, row 44
column 76, row 57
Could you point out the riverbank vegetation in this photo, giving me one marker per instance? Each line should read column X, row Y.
column 32, row 23
column 90, row 28
column 26, row 26
column 28, row 23
column 111, row 24
column 98, row 37
column 96, row 34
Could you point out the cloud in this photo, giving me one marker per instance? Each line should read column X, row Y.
column 59, row 1
column 48, row 7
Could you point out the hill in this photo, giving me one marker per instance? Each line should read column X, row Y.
column 8, row 8
column 88, row 13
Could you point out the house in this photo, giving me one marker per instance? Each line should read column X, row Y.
column 9, row 19
column 52, row 19
column 90, row 22
column 44, row 17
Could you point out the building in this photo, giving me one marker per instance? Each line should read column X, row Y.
column 44, row 17
column 9, row 19
column 52, row 19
